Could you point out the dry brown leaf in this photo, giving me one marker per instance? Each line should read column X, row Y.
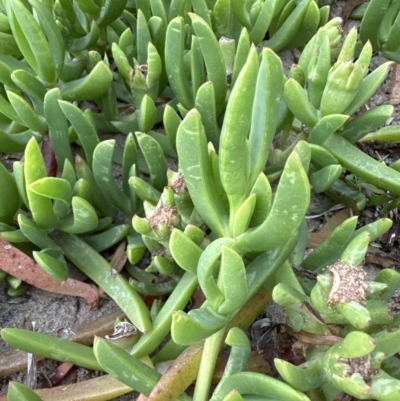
column 119, row 258
column 179, row 376
column 20, row 265
column 315, row 339
column 377, row 257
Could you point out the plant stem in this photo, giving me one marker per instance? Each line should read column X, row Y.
column 211, row 350
column 285, row 136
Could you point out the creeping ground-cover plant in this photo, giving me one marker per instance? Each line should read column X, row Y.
column 201, row 193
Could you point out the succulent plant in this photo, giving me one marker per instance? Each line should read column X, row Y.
column 380, row 26
column 352, row 325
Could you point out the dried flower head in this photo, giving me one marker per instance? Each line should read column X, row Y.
column 362, row 366
column 348, row 283
column 121, row 330
column 300, row 348
column 163, row 215
column 178, row 184
column 144, row 69
column 161, row 252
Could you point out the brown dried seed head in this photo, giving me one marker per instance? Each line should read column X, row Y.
column 144, row 69
column 299, row 348
column 362, row 366
column 163, row 215
column 161, row 252
column 348, row 284
column 178, row 184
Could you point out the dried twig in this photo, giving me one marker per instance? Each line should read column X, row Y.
column 394, row 97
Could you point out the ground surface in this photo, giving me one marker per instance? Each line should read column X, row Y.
column 53, row 312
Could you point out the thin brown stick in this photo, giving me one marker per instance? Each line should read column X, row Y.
column 394, row 97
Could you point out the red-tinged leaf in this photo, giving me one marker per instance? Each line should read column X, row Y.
column 179, row 376
column 16, row 263
column 49, row 157
column 60, row 372
column 198, row 298
column 101, row 388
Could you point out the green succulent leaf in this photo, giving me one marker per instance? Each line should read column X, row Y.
column 174, row 62
column 51, row 347
column 155, row 160
column 84, row 128
column 361, row 164
column 306, row 377
column 34, row 169
column 324, row 178
column 26, row 113
column 35, row 235
column 281, row 221
column 205, row 104
column 325, row 127
column 125, row 367
column 20, row 392
column 213, row 59
column 207, row 265
column 232, row 281
column 106, row 239
column 197, row 325
column 103, row 174
column 31, row 40
column 177, row 300
column 100, row 271
column 360, row 126
column 53, row 188
column 82, row 219
column 92, row 86
column 9, row 197
column 52, row 262
column 322, row 255
column 290, row 28
column 257, row 384
column 297, row 100
column 194, row 163
column 234, row 158
column 184, row 251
